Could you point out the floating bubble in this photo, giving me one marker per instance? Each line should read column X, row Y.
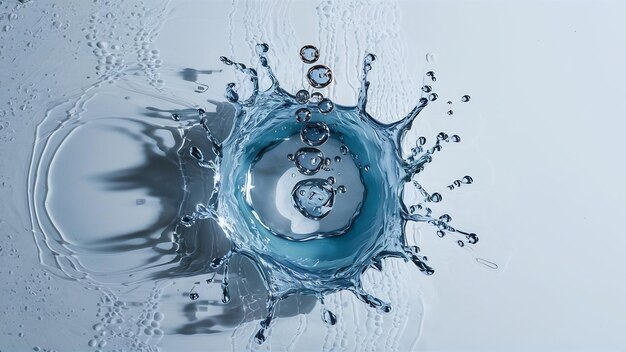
column 314, row 133
column 309, row 54
column 309, row 160
column 325, row 106
column 303, row 115
column 319, row 76
column 465, row 98
column 314, row 198
column 316, row 98
column 302, row 96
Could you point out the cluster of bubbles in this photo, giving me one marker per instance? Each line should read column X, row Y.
column 314, row 197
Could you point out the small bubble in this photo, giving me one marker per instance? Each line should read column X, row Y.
column 427, row 89
column 341, row 189
column 460, row 243
column 329, row 317
column 455, row 138
column 302, row 96
column 309, row 54
column 421, row 140
column 465, row 98
column 430, row 57
column 432, row 97
column 435, row 198
column 175, row 117
column 290, row 157
column 450, row 112
column 343, row 150
column 467, row 180
column 325, row 106
column 331, row 180
column 441, row 234
column 309, row 160
column 317, row 200
column 431, row 74
column 314, row 133
column 194, row 296
column 303, row 115
column 316, row 98
column 319, row 76
column 337, row 159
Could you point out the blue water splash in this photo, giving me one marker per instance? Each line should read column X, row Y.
column 312, row 191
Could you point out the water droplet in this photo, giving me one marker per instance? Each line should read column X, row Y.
column 290, row 157
column 460, row 243
column 309, row 160
column 455, row 138
column 465, row 98
column 341, row 189
column 421, row 140
column 225, row 294
column 344, row 150
column 314, row 133
column 337, row 159
column 318, row 198
column 302, row 96
column 261, row 48
column 331, row 180
column 432, row 96
column 319, row 76
column 435, row 197
column 325, row 106
column 472, row 238
column 303, row 115
column 467, row 180
column 309, row 54
column 450, row 112
column 196, row 153
column 175, row 117
column 430, row 57
column 187, row 221
column 431, row 74
column 487, row 263
column 194, row 296
column 427, row 89
column 445, row 218
column 329, row 317
column 316, row 97
column 259, row 338
column 441, row 234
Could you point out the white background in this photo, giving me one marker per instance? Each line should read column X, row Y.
column 543, row 138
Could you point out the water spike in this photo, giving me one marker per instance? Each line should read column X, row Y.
column 365, row 84
column 252, row 75
column 261, row 50
column 377, row 264
column 265, row 323
column 225, row 293
column 371, row 301
column 217, row 146
column 401, row 127
column 419, row 261
column 328, row 317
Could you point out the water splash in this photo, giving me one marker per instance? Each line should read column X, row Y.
column 312, row 191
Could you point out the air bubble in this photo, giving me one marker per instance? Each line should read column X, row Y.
column 326, row 106
column 302, row 96
column 309, row 160
column 314, row 133
column 309, row 54
column 319, row 76
column 303, row 115
column 317, row 199
column 465, row 98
